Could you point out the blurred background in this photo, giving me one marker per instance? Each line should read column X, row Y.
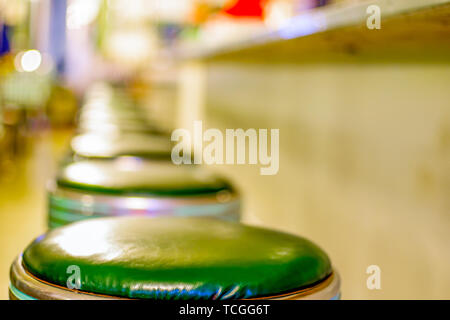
column 364, row 115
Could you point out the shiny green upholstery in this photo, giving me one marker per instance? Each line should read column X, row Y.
column 184, row 258
column 139, row 177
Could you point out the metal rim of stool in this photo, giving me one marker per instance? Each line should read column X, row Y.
column 118, row 200
column 93, row 204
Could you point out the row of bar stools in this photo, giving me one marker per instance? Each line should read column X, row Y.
column 155, row 234
column 127, row 172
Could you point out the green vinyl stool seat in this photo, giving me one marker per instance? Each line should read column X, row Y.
column 168, row 259
column 135, row 186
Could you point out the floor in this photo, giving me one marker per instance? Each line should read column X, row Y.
column 23, row 199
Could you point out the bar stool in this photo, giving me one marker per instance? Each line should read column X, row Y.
column 110, row 111
column 116, row 127
column 101, row 146
column 136, row 186
column 166, row 259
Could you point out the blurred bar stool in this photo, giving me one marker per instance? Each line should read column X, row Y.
column 136, row 186
column 116, row 128
column 109, row 111
column 167, row 259
column 101, row 146
column 113, row 121
column 125, row 118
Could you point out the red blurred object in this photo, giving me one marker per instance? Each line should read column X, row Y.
column 246, row 8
